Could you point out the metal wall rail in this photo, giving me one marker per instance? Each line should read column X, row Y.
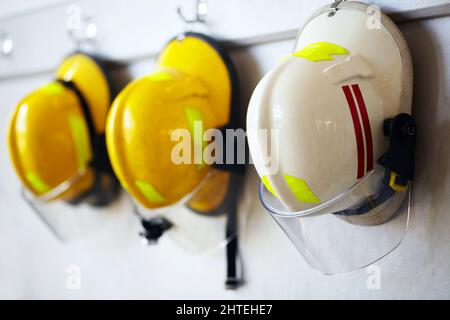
column 434, row 12
column 37, row 10
column 400, row 17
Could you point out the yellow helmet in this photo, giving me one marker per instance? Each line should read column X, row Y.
column 55, row 134
column 193, row 83
column 192, row 90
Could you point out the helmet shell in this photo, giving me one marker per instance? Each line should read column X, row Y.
column 192, row 84
column 325, row 106
column 48, row 136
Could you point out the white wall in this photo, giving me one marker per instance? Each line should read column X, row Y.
column 114, row 265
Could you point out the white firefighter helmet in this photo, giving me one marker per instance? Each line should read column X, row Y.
column 337, row 112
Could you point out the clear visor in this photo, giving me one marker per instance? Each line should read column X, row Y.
column 347, row 199
column 68, row 216
column 197, row 232
column 336, row 244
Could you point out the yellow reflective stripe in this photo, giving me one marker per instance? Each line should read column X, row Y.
column 192, row 116
column 37, row 183
column 160, row 76
column 320, row 51
column 300, row 189
column 53, row 88
column 149, row 192
column 395, row 186
column 79, row 132
column 269, row 187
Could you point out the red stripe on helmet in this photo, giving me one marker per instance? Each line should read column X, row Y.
column 366, row 126
column 358, row 131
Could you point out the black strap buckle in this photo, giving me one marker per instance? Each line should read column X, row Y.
column 154, row 228
column 399, row 158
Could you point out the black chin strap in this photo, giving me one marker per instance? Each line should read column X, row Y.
column 236, row 169
column 233, row 280
column 384, row 194
column 234, row 264
column 398, row 162
column 100, row 160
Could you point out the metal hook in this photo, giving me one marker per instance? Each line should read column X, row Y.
column 80, row 28
column 335, row 7
column 6, row 44
column 200, row 13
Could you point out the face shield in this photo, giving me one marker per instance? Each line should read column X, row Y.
column 196, row 230
column 350, row 231
column 71, row 216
